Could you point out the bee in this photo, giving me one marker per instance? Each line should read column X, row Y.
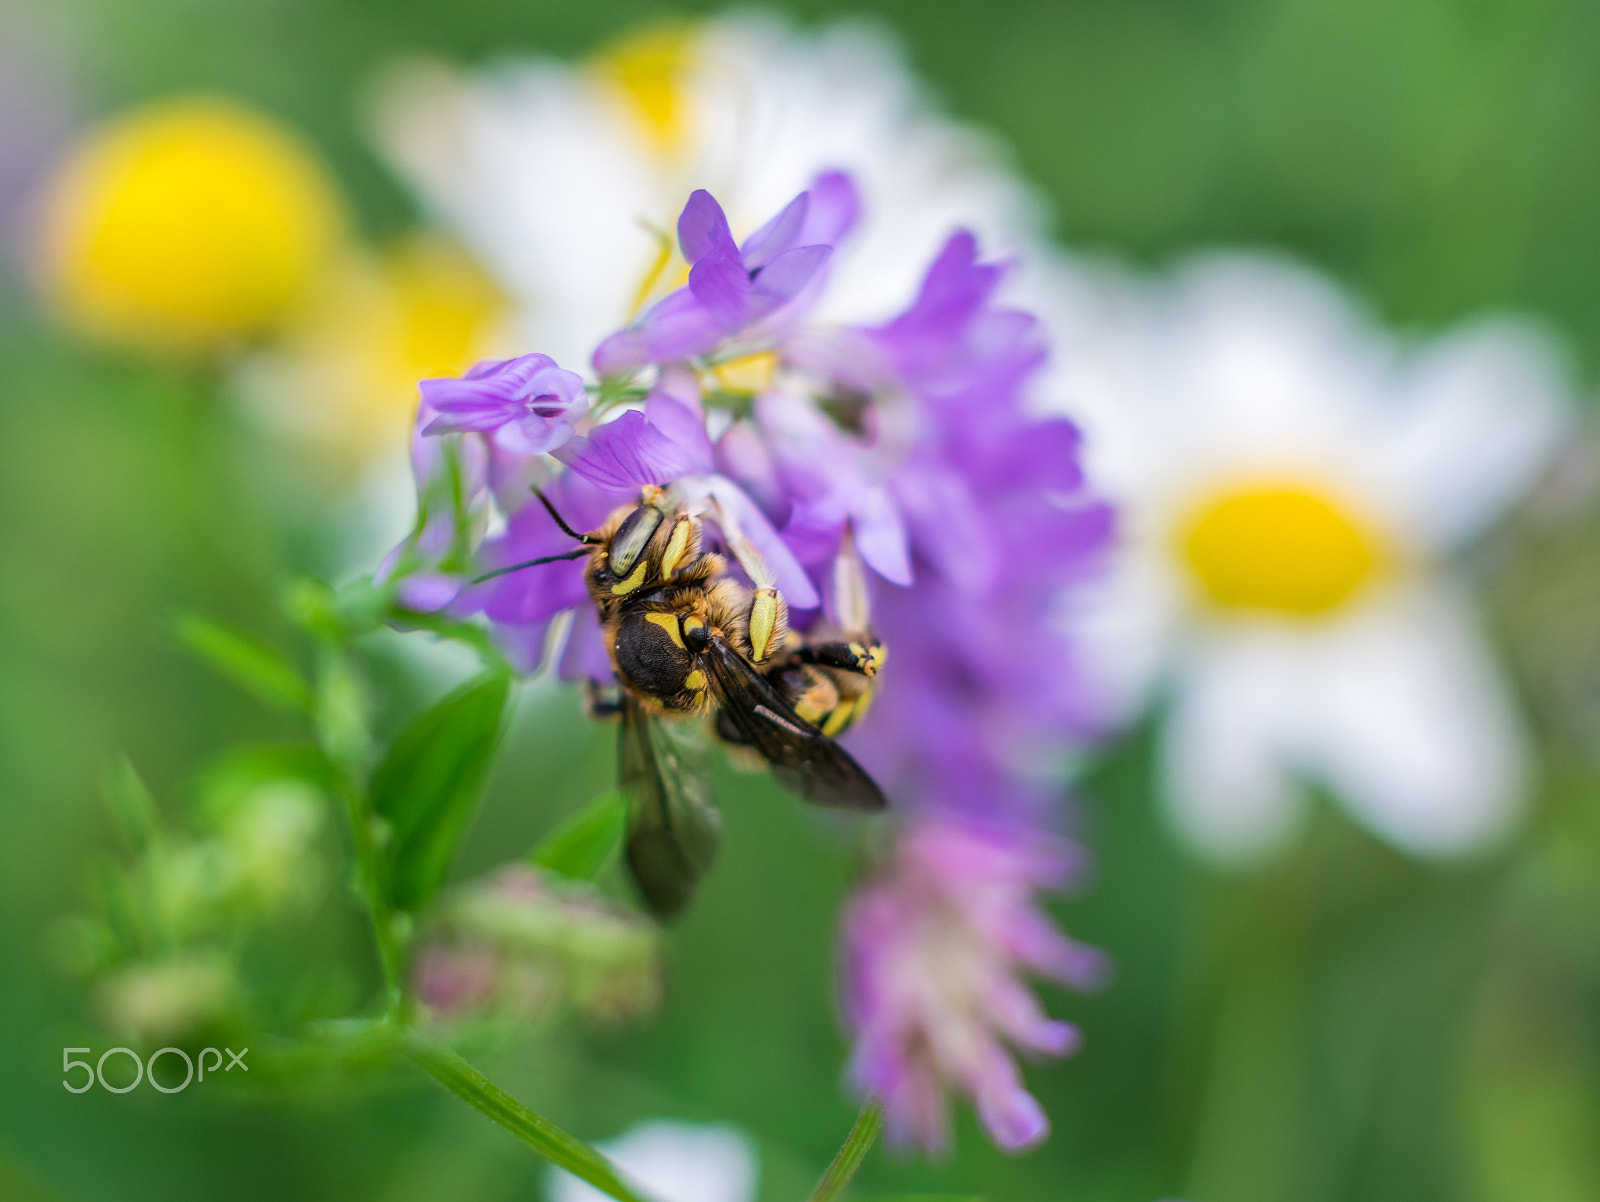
column 828, row 676
column 685, row 638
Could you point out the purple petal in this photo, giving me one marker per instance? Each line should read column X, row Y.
column 512, row 476
column 777, row 236
column 1012, row 1117
column 955, row 288
column 535, row 594
column 626, row 350
column 430, row 456
column 502, row 379
column 781, row 280
column 533, row 435
column 814, row 529
column 585, row 656
column 745, row 458
column 683, row 425
column 515, row 376
column 834, row 209
column 497, row 392
column 628, row 452
column 554, row 389
column 1039, row 455
column 720, row 282
column 429, row 592
column 462, row 414
column 703, row 228
column 523, row 646
column 679, row 383
column 680, row 327
column 484, row 367
column 790, row 577
column 880, row 534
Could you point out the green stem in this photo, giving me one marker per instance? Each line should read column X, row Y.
column 368, row 861
column 539, row 1133
column 342, row 733
column 856, row 1146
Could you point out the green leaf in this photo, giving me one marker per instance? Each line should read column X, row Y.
column 353, row 609
column 584, row 844
column 260, row 670
column 132, row 808
column 428, row 786
column 539, row 1133
column 341, row 707
column 115, row 895
column 236, row 772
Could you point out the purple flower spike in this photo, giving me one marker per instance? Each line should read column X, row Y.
column 934, row 980
column 895, row 479
column 527, row 405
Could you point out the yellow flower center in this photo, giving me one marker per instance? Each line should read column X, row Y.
column 649, row 67
column 1278, row 547
column 187, row 224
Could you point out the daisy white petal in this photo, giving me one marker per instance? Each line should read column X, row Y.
column 1414, row 728
column 1228, row 749
column 673, row 1161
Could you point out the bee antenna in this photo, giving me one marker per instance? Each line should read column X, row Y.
column 587, row 540
column 530, row 563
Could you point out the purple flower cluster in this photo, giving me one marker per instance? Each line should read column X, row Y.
column 891, row 471
column 935, row 953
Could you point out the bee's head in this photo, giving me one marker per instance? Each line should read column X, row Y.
column 623, row 561
column 628, row 544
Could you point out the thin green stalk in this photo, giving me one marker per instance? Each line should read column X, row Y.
column 342, row 732
column 856, row 1146
column 539, row 1133
column 368, row 860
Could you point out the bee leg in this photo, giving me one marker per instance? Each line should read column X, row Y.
column 602, row 701
column 862, row 657
column 768, row 623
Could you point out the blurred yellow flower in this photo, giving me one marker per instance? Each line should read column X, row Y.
column 345, row 377
column 186, row 224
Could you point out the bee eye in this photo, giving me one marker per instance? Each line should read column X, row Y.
column 632, row 537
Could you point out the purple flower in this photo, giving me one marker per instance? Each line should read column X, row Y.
column 527, row 405
column 893, row 478
column 935, row 955
column 731, row 287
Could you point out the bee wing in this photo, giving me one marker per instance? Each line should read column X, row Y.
column 673, row 823
column 804, row 760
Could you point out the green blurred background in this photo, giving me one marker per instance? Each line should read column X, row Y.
column 1346, row 1025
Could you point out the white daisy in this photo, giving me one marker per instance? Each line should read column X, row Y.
column 566, row 179
column 1293, row 483
column 671, row 1161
